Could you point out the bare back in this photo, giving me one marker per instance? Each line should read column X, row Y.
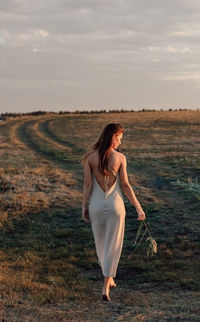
column 114, row 163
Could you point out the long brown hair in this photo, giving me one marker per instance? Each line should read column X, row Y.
column 103, row 145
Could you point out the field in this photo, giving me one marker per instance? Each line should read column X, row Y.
column 48, row 264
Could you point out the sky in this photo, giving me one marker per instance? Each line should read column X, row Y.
column 99, row 54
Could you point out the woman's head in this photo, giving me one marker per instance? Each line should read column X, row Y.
column 110, row 138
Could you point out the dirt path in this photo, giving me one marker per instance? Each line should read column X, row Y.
column 167, row 298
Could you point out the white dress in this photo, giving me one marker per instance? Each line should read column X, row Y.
column 107, row 217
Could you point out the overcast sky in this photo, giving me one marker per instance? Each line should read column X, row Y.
column 94, row 54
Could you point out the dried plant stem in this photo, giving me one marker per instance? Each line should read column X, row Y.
column 137, row 244
column 152, row 247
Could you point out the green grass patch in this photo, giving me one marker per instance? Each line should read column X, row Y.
column 47, row 251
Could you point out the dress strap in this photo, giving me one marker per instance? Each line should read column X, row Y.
column 114, row 171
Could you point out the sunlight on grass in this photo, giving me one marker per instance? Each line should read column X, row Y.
column 192, row 184
column 47, row 254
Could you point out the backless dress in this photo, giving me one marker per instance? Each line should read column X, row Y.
column 107, row 217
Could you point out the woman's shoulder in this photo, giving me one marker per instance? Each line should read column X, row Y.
column 93, row 155
column 119, row 155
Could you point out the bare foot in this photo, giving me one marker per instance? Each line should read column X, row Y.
column 105, row 290
column 105, row 294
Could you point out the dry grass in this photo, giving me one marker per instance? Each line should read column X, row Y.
column 36, row 128
column 33, row 190
column 48, row 266
column 157, row 305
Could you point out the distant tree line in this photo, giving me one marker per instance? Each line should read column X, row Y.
column 4, row 116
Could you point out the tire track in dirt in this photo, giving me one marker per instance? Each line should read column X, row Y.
column 44, row 127
column 43, row 135
column 28, row 132
column 17, row 148
column 60, row 156
column 10, row 135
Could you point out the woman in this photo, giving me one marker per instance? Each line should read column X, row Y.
column 103, row 204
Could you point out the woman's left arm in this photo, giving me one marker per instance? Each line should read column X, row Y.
column 87, row 187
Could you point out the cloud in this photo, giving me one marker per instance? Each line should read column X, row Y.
column 174, row 50
column 180, row 33
column 154, row 48
column 170, row 49
column 184, row 77
column 104, row 46
column 35, row 50
column 20, row 38
column 187, row 30
column 2, row 41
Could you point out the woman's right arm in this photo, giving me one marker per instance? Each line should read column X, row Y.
column 128, row 191
column 87, row 187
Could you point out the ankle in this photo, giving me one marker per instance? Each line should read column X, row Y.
column 105, row 290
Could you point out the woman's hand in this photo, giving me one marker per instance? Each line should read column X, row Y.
column 85, row 214
column 141, row 214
